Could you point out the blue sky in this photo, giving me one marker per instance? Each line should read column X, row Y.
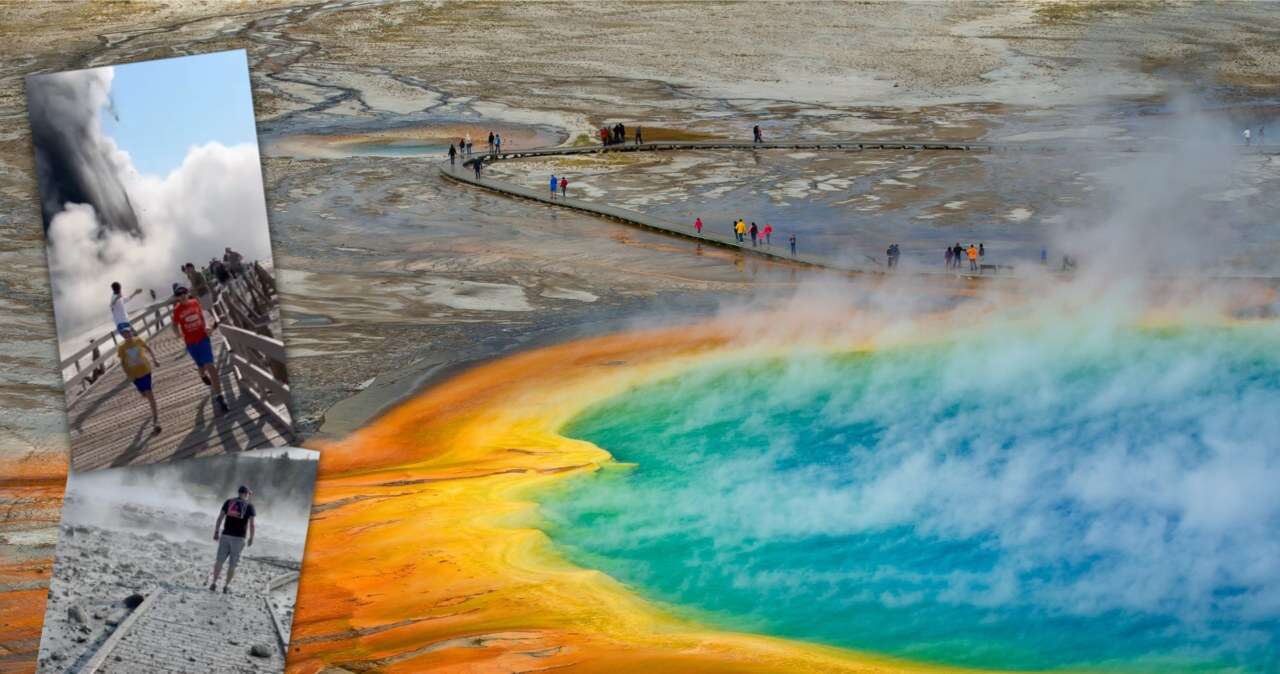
column 167, row 106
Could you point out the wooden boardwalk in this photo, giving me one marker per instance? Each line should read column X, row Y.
column 183, row 628
column 779, row 250
column 110, row 422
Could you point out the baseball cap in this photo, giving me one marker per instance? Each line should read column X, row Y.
column 244, row 489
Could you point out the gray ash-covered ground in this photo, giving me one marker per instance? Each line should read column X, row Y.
column 103, row 574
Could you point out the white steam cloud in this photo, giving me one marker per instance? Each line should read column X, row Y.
column 213, row 200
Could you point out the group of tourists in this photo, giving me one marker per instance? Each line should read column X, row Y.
column 760, row 236
column 957, row 254
column 462, row 148
column 892, row 254
column 1248, row 135
column 562, row 183
column 617, row 135
column 188, row 308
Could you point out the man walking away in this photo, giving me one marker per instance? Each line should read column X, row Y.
column 639, row 139
column 188, row 322
column 756, row 137
column 1246, row 138
column 234, row 521
column 564, row 187
column 755, row 232
column 740, row 230
column 490, row 145
column 118, row 312
column 453, row 155
column 973, row 257
column 947, row 255
column 133, row 354
column 555, row 183
column 793, row 245
column 476, row 165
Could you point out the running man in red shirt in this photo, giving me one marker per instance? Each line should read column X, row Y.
column 188, row 321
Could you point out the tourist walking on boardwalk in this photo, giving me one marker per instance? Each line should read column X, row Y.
column 755, row 233
column 604, row 136
column 467, row 142
column 118, row 312
column 476, row 165
column 235, row 520
column 1262, row 134
column 497, row 143
column 973, row 257
column 756, row 137
column 947, row 256
column 234, row 261
column 1246, row 137
column 555, row 183
column 564, row 187
column 490, row 145
column 697, row 225
column 199, row 286
column 768, row 234
column 982, row 251
column 1044, row 256
column 958, row 254
column 639, row 139
column 793, row 245
column 741, row 230
column 136, row 360
column 188, row 323
column 453, row 155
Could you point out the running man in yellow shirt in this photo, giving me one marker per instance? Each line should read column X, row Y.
column 133, row 354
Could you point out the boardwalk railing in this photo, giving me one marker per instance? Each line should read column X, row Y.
column 84, row 368
column 244, row 309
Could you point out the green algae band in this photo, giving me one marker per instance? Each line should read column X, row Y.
column 1056, row 500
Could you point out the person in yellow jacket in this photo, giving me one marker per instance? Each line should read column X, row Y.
column 741, row 230
column 973, row 257
column 136, row 359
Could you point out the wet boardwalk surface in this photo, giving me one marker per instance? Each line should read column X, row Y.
column 111, row 423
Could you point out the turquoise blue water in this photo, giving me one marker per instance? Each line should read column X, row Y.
column 1063, row 499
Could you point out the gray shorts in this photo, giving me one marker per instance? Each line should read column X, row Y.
column 230, row 547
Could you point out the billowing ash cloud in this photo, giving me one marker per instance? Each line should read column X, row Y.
column 75, row 162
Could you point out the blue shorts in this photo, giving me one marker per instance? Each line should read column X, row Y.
column 120, row 327
column 143, row 383
column 201, row 352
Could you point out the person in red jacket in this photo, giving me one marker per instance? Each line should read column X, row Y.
column 188, row 323
column 697, row 225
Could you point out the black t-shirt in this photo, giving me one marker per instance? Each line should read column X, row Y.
column 238, row 512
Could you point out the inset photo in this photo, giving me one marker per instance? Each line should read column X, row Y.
column 160, row 262
column 189, row 566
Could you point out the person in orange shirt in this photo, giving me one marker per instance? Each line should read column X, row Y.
column 973, row 257
column 135, row 359
column 188, row 322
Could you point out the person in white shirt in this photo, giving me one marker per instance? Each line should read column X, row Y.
column 118, row 312
column 1247, row 137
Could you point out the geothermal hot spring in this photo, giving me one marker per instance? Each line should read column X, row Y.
column 1075, row 498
